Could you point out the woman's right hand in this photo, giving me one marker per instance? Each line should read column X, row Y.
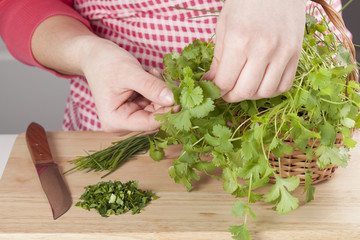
column 126, row 96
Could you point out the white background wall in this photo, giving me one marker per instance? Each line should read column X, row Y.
column 29, row 94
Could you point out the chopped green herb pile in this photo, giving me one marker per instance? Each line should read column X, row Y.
column 111, row 158
column 115, row 198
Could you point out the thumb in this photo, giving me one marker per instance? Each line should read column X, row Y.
column 154, row 89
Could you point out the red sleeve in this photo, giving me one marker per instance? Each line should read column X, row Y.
column 19, row 19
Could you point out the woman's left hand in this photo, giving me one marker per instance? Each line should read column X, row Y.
column 258, row 44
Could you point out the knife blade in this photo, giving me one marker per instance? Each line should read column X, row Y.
column 49, row 174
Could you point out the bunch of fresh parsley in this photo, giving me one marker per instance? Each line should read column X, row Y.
column 239, row 137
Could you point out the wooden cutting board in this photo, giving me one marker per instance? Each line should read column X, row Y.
column 204, row 213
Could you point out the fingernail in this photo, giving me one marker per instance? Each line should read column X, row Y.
column 176, row 109
column 166, row 96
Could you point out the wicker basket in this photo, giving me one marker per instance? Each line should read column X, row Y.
column 296, row 164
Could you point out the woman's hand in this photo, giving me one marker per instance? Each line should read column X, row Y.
column 258, row 44
column 126, row 96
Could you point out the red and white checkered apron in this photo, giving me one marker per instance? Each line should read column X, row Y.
column 146, row 28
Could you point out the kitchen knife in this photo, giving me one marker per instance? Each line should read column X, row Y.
column 50, row 177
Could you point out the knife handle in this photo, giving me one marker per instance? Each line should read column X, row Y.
column 38, row 145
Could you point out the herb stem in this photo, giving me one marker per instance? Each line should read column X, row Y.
column 248, row 199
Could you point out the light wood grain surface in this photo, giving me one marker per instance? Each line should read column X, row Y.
column 204, row 213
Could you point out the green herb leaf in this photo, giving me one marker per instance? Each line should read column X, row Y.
column 181, row 120
column 210, row 90
column 191, row 97
column 350, row 143
column 327, row 133
column 343, row 56
column 279, row 193
column 230, row 183
column 309, row 189
column 332, row 156
column 240, row 232
column 239, row 208
column 320, row 79
column 203, row 109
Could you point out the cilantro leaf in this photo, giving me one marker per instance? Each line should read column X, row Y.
column 181, row 172
column 162, row 117
column 210, row 90
column 250, row 149
column 240, row 232
column 155, row 153
column 320, row 79
column 191, row 97
column 348, row 122
column 332, row 155
column 181, row 120
column 230, row 182
column 188, row 79
column 309, row 189
column 254, row 168
column 279, row 194
column 327, row 133
column 281, row 149
column 239, row 208
column 261, row 182
column 354, row 85
column 190, row 52
column 221, row 140
column 343, row 56
column 203, row 109
column 350, row 143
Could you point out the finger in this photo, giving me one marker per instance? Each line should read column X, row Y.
column 134, row 120
column 152, row 88
column 133, row 96
column 230, row 67
column 248, row 82
column 152, row 107
column 269, row 86
column 149, row 108
column 288, row 76
column 218, row 49
column 131, row 117
column 230, row 53
column 141, row 120
column 210, row 75
column 141, row 101
column 156, row 106
column 155, row 72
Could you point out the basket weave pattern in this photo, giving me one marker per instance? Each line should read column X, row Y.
column 296, row 164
